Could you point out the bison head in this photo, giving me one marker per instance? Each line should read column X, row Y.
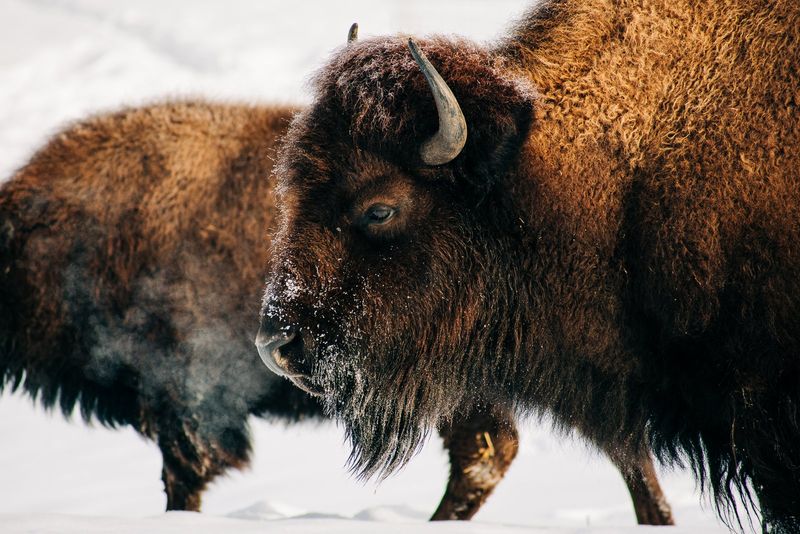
column 390, row 283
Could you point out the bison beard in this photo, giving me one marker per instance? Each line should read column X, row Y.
column 389, row 402
column 618, row 250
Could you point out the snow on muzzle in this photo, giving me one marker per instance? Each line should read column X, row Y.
column 281, row 350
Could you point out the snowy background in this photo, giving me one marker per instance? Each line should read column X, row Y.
column 63, row 59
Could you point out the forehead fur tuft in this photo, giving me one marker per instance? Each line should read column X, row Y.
column 373, row 95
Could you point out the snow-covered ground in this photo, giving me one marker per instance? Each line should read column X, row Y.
column 297, row 483
column 63, row 59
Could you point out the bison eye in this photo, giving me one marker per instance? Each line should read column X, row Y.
column 378, row 214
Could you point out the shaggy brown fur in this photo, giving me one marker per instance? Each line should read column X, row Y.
column 132, row 255
column 126, row 268
column 133, row 245
column 616, row 245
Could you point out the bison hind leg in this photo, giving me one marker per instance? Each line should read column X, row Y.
column 193, row 456
column 649, row 503
column 481, row 447
column 639, row 473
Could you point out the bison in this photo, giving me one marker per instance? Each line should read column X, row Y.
column 132, row 255
column 596, row 217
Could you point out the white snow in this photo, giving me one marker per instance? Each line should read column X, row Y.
column 63, row 59
column 69, row 477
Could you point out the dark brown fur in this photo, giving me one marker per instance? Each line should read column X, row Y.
column 131, row 262
column 616, row 245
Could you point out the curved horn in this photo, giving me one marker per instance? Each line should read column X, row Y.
column 449, row 141
column 352, row 34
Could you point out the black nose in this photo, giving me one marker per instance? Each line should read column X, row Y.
column 269, row 341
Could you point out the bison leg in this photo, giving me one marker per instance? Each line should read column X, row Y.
column 649, row 502
column 194, row 455
column 481, row 448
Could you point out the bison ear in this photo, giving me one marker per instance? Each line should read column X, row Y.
column 497, row 132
